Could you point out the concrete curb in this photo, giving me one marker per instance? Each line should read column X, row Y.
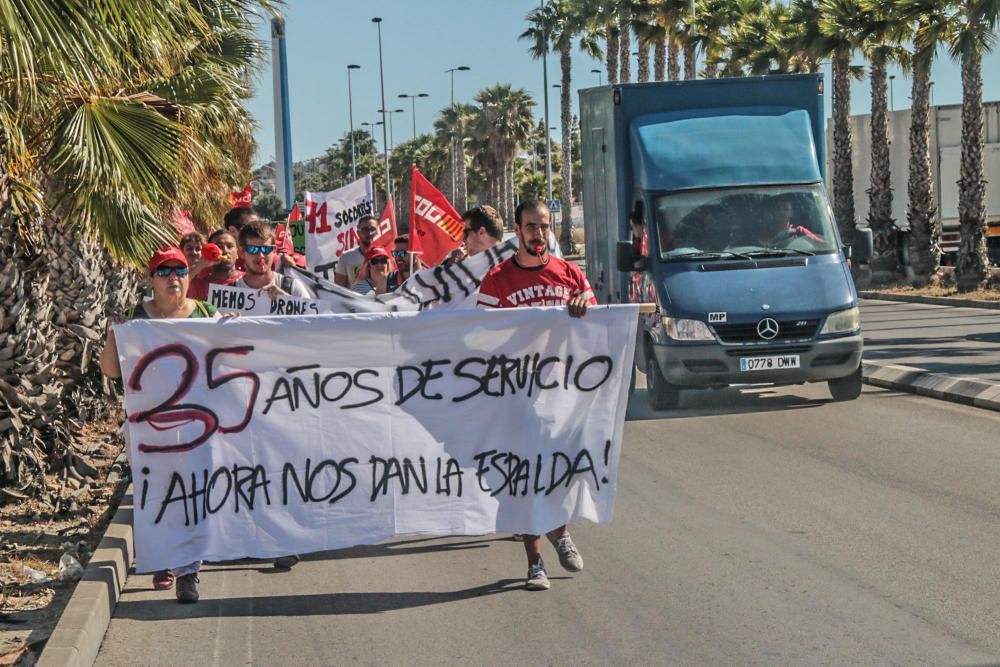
column 932, row 300
column 78, row 635
column 966, row 391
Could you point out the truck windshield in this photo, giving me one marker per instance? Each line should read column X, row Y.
column 744, row 222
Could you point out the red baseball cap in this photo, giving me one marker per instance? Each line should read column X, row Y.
column 164, row 255
column 377, row 251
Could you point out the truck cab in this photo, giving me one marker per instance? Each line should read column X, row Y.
column 706, row 198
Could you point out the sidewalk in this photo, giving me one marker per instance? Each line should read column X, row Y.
column 943, row 351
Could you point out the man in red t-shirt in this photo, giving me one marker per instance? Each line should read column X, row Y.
column 533, row 277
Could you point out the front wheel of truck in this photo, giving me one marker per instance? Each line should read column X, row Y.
column 846, row 388
column 662, row 394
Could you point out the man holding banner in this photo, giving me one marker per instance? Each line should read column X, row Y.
column 532, row 277
column 348, row 268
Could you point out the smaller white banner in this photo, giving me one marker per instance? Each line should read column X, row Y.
column 256, row 303
column 332, row 221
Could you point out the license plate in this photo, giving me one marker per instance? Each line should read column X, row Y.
column 769, row 363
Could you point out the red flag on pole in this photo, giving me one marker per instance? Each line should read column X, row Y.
column 435, row 227
column 296, row 213
column 386, row 227
column 242, row 198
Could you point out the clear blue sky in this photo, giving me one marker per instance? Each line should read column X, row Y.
column 420, row 40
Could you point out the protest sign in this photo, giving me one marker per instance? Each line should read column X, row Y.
column 297, row 226
column 369, row 426
column 252, row 302
column 332, row 221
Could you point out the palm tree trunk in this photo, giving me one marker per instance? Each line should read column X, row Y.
column 843, row 176
column 642, row 73
column 880, row 189
column 659, row 58
column 690, row 62
column 925, row 227
column 611, row 56
column 566, row 168
column 972, row 266
column 624, row 49
column 673, row 61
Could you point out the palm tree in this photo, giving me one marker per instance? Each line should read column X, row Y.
column 452, row 124
column 556, row 24
column 118, row 112
column 971, row 32
column 624, row 41
column 925, row 226
column 649, row 33
column 880, row 37
column 504, row 124
column 838, row 22
column 600, row 18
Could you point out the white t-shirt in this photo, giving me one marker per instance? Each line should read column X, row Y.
column 349, row 265
column 292, row 285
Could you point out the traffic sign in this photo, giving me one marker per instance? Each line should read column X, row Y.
column 555, row 205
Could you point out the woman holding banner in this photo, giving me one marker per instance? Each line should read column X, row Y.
column 377, row 276
column 169, row 274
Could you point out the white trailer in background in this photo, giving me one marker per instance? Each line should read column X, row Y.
column 946, row 141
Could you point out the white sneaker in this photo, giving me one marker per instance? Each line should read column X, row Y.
column 569, row 556
column 537, row 579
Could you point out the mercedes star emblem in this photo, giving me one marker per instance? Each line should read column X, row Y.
column 767, row 328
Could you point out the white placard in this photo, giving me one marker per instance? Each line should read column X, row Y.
column 255, row 303
column 332, row 221
column 271, row 436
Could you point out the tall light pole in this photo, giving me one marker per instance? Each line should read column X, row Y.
column 413, row 107
column 460, row 68
column 283, row 166
column 381, row 80
column 350, row 115
column 892, row 103
column 598, row 73
column 391, row 112
column 545, row 89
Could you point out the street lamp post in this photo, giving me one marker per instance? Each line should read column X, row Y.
column 598, row 73
column 545, row 89
column 413, row 108
column 892, row 103
column 391, row 112
column 350, row 115
column 381, row 78
column 460, row 68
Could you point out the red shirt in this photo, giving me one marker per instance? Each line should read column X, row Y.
column 554, row 284
column 198, row 288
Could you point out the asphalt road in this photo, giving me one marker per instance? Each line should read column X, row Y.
column 753, row 527
column 961, row 342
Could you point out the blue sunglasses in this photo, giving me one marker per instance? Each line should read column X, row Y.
column 259, row 249
column 165, row 271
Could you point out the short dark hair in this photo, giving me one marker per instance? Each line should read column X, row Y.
column 487, row 217
column 234, row 218
column 191, row 236
column 366, row 218
column 402, row 238
column 536, row 205
column 260, row 229
column 217, row 233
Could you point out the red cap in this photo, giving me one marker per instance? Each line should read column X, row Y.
column 377, row 251
column 164, row 255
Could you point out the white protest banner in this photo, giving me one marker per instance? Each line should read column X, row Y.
column 372, row 425
column 442, row 287
column 254, row 303
column 332, row 221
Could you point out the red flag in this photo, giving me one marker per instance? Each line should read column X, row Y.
column 386, row 227
column 296, row 213
column 282, row 239
column 435, row 227
column 242, row 198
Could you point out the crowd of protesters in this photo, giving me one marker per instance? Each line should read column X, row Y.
column 244, row 252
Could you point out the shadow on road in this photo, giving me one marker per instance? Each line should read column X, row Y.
column 715, row 402
column 317, row 604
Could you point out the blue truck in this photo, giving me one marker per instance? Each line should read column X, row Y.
column 706, row 198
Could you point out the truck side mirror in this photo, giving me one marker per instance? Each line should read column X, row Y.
column 626, row 259
column 863, row 247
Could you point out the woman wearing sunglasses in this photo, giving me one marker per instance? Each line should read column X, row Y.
column 377, row 276
column 169, row 274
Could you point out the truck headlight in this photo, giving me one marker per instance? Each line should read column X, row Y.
column 843, row 321
column 686, row 330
